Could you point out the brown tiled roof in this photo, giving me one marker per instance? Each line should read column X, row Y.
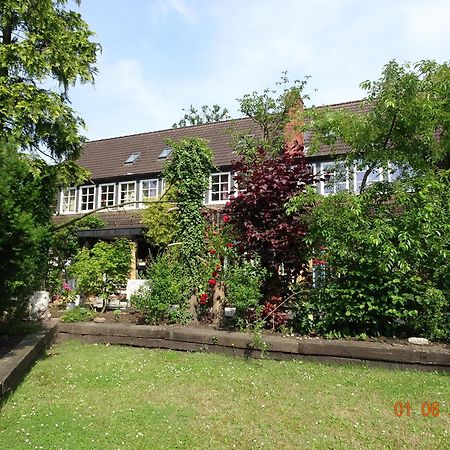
column 105, row 158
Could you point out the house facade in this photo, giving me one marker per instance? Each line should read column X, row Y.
column 128, row 169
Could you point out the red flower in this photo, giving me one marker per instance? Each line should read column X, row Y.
column 215, row 274
column 212, row 252
column 228, row 203
column 230, row 245
column 203, row 298
column 212, row 282
column 66, row 286
column 226, row 218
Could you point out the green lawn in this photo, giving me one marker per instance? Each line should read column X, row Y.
column 106, row 397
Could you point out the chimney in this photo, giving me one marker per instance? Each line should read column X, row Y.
column 294, row 140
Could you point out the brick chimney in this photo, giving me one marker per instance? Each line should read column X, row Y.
column 294, row 140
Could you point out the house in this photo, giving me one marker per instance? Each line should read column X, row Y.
column 127, row 169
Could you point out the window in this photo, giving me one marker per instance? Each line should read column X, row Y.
column 338, row 177
column 358, row 175
column 128, row 193
column 87, row 200
column 149, row 189
column 220, row 185
column 68, row 200
column 107, row 195
column 165, row 153
column 132, row 158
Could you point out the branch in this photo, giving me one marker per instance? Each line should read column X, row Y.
column 373, row 165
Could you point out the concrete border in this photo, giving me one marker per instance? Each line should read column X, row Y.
column 188, row 338
column 16, row 363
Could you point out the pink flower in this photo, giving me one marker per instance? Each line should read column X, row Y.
column 66, row 286
column 226, row 218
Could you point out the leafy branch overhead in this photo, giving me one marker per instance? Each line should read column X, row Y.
column 404, row 120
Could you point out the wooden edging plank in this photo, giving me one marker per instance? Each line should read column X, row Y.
column 187, row 338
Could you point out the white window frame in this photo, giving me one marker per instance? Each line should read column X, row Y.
column 80, row 198
column 220, row 192
column 141, row 190
column 324, row 168
column 99, row 200
column 61, row 201
column 131, row 206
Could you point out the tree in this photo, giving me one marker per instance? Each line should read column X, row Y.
column 404, row 120
column 43, row 43
column 271, row 110
column 207, row 115
column 257, row 213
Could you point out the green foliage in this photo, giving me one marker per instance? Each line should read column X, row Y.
column 64, row 246
column 103, row 268
column 167, row 286
column 161, row 221
column 23, row 227
column 405, row 120
column 41, row 44
column 78, row 314
column 188, row 173
column 207, row 115
column 387, row 260
column 49, row 42
column 271, row 110
column 244, row 280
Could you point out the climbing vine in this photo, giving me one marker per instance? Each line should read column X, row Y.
column 188, row 172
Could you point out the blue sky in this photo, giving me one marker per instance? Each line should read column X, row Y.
column 160, row 56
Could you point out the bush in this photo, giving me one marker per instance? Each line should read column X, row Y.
column 78, row 314
column 167, row 286
column 387, row 261
column 243, row 286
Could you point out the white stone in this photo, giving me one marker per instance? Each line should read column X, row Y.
column 99, row 320
column 418, row 341
column 38, row 306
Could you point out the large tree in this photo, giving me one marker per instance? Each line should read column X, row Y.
column 44, row 49
column 404, row 120
column 208, row 114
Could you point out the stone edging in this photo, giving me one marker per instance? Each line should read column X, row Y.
column 16, row 363
column 187, row 338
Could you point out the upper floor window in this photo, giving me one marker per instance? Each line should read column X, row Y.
column 107, row 195
column 149, row 189
column 69, row 200
column 337, row 175
column 128, row 193
column 219, row 187
column 87, row 198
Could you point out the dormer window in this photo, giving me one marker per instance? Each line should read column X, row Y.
column 165, row 153
column 132, row 158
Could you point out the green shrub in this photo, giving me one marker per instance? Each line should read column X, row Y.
column 387, row 260
column 243, row 282
column 78, row 314
column 167, row 286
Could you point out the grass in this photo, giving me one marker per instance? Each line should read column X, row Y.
column 106, row 397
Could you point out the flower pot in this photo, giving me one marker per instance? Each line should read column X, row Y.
column 229, row 311
column 70, row 305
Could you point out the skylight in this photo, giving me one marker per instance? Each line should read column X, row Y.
column 132, row 158
column 165, row 153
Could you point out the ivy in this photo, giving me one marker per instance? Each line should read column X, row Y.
column 188, row 172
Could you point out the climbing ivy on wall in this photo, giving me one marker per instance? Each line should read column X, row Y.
column 188, row 172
